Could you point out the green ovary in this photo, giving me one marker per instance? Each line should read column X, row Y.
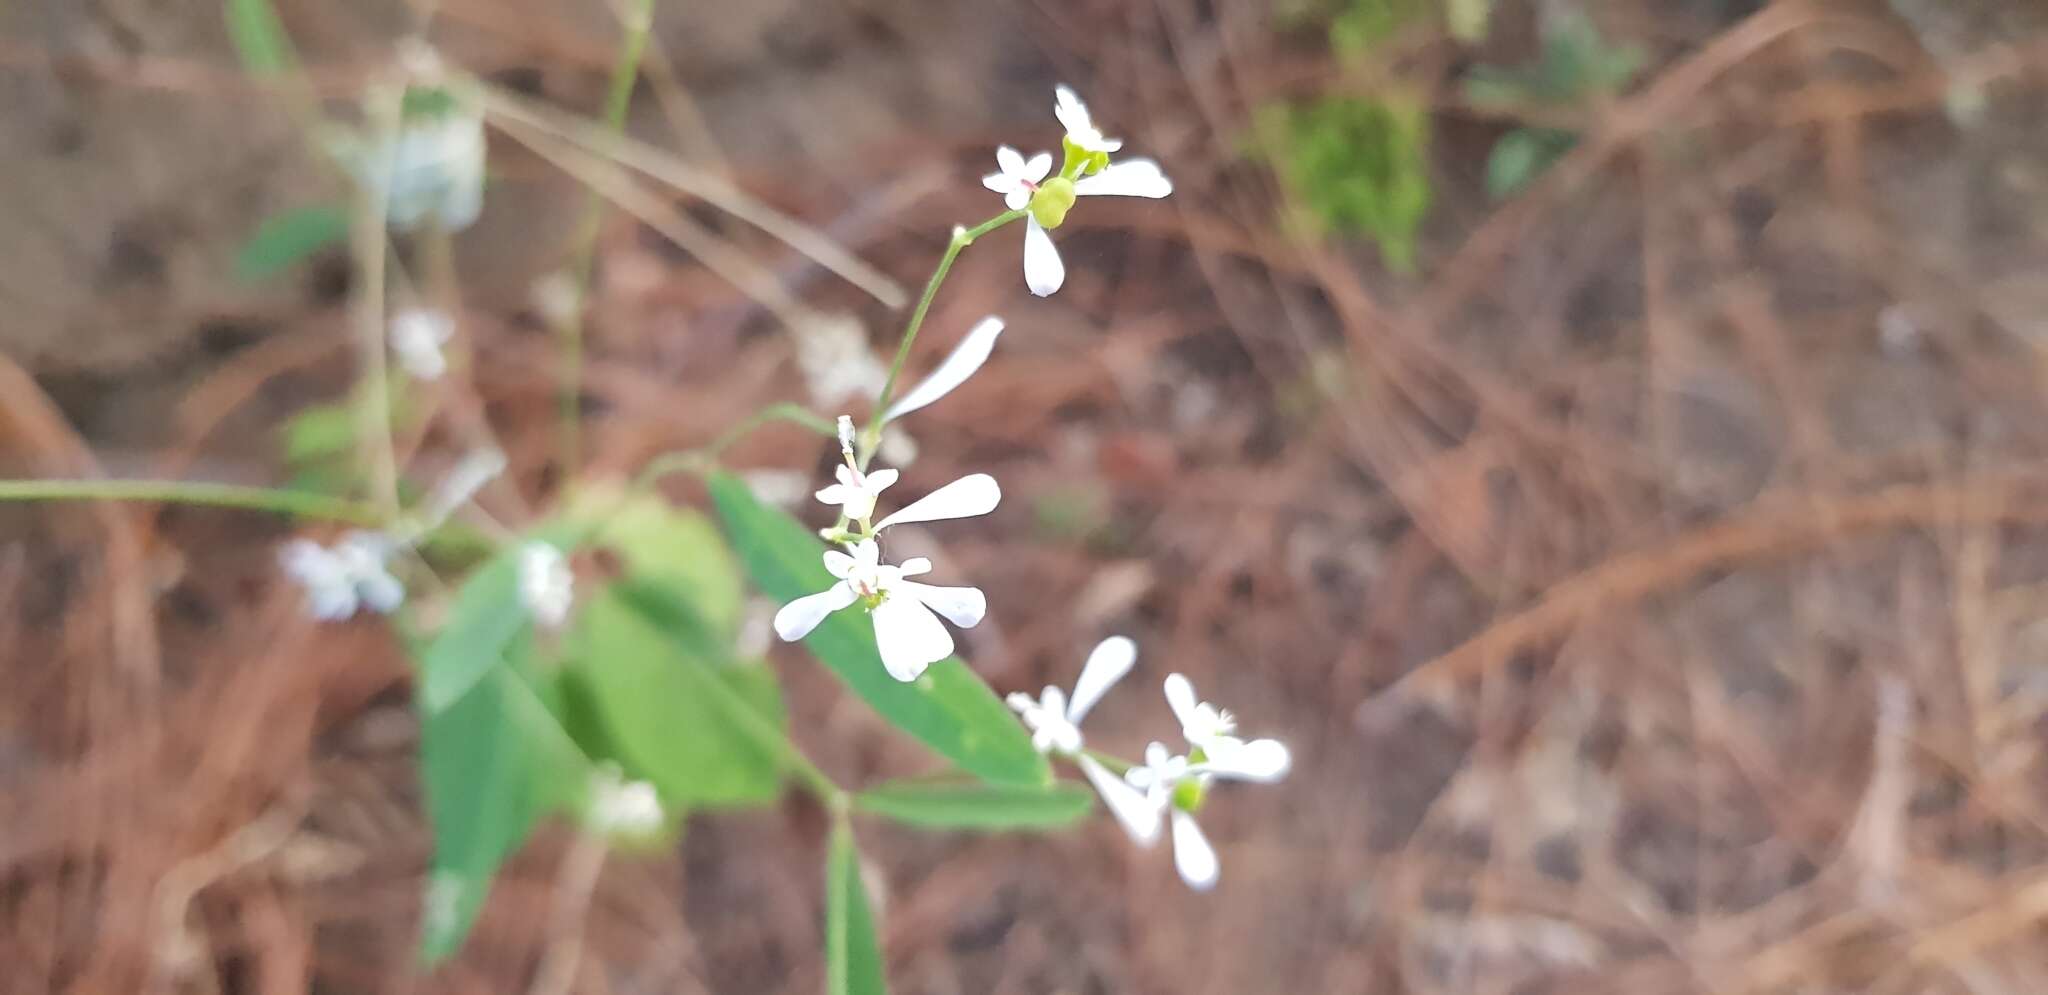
column 1052, row 201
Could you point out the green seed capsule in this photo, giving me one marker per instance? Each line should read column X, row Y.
column 1187, row 796
column 1052, row 201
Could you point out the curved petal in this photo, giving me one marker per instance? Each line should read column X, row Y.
column 381, row 592
column 1180, row 696
column 914, row 566
column 834, row 494
column 1129, row 178
column 838, row 563
column 866, row 554
column 1009, row 160
column 910, row 637
column 796, row 619
column 1020, row 702
column 1136, row 813
column 1192, row 854
column 962, row 606
column 880, row 480
column 960, row 364
column 1018, row 198
column 1038, row 168
column 1107, row 664
column 1067, row 106
column 1001, row 183
column 1043, row 271
column 974, row 494
column 1264, row 760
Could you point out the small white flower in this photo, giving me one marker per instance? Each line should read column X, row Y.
column 967, row 357
column 1160, row 780
column 1081, row 130
column 344, row 578
column 1209, row 731
column 1053, row 718
column 432, row 169
column 855, row 493
column 836, row 360
column 621, row 807
column 907, row 632
column 781, row 488
column 1016, row 177
column 417, row 335
column 547, row 587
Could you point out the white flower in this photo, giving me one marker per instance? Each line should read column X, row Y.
column 967, row 357
column 417, row 335
column 617, row 806
column 547, row 587
column 432, row 169
column 855, row 493
column 1080, row 127
column 1053, row 718
column 1160, row 780
column 1209, row 731
column 907, row 632
column 349, row 576
column 1016, row 177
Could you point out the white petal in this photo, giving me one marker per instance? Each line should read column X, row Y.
column 867, row 555
column 835, row 494
column 1136, row 813
column 1043, row 271
column 1038, row 168
column 962, row 606
column 974, row 494
column 914, row 566
column 796, row 619
column 1258, row 760
column 1068, row 108
column 960, row 364
column 1019, row 702
column 910, row 637
column 1107, row 664
column 1129, row 178
column 1192, row 854
column 381, row 592
column 1004, row 184
column 838, row 563
column 1017, row 198
column 880, row 480
column 1010, row 161
column 1180, row 696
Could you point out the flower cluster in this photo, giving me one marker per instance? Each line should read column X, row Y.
column 1166, row 784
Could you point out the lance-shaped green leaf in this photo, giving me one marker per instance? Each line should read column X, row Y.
column 853, row 959
column 487, row 616
column 966, row 805
column 492, row 763
column 284, row 239
column 703, row 730
column 949, row 709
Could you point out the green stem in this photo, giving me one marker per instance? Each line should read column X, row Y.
column 625, row 73
column 195, row 493
column 696, row 459
column 962, row 238
column 367, row 237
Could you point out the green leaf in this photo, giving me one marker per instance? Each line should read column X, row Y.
column 942, row 805
column 948, row 709
column 491, row 763
column 258, row 36
column 488, row 615
column 285, row 239
column 1522, row 155
column 674, row 547
column 853, row 959
column 702, row 730
column 319, row 432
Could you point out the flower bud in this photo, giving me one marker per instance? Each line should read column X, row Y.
column 1055, row 197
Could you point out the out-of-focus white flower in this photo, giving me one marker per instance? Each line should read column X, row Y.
column 907, row 632
column 967, row 357
column 1209, row 731
column 621, row 807
column 1081, row 129
column 1055, row 719
column 836, row 361
column 432, row 170
column 782, row 488
column 547, row 587
column 1016, row 177
column 896, row 446
column 417, row 336
column 346, row 577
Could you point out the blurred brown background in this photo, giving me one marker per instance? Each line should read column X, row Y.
column 1651, row 586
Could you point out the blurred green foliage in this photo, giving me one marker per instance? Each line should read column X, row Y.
column 1577, row 65
column 1356, row 165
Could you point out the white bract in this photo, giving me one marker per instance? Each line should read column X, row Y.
column 547, row 587
column 907, row 632
column 417, row 335
column 346, row 577
column 967, row 357
column 1087, row 172
column 1055, row 719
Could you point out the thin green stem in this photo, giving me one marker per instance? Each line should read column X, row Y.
column 705, row 456
column 962, row 238
column 639, row 21
column 367, row 239
column 196, row 493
